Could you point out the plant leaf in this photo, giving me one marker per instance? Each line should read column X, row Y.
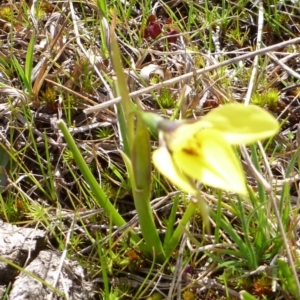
column 3, row 156
column 3, row 178
column 122, row 89
column 287, row 279
column 29, row 62
column 247, row 296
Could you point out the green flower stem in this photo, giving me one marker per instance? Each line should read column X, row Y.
column 148, row 228
column 103, row 201
column 136, row 156
column 141, row 187
column 174, row 241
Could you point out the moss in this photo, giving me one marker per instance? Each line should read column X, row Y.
column 6, row 13
column 165, row 99
column 269, row 98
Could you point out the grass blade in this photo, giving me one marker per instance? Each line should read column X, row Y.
column 109, row 209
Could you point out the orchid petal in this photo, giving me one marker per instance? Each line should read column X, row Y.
column 208, row 158
column 241, row 124
column 177, row 138
column 163, row 161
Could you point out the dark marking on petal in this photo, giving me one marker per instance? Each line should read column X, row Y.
column 190, row 151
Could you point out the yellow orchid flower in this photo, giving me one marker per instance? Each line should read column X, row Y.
column 203, row 151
